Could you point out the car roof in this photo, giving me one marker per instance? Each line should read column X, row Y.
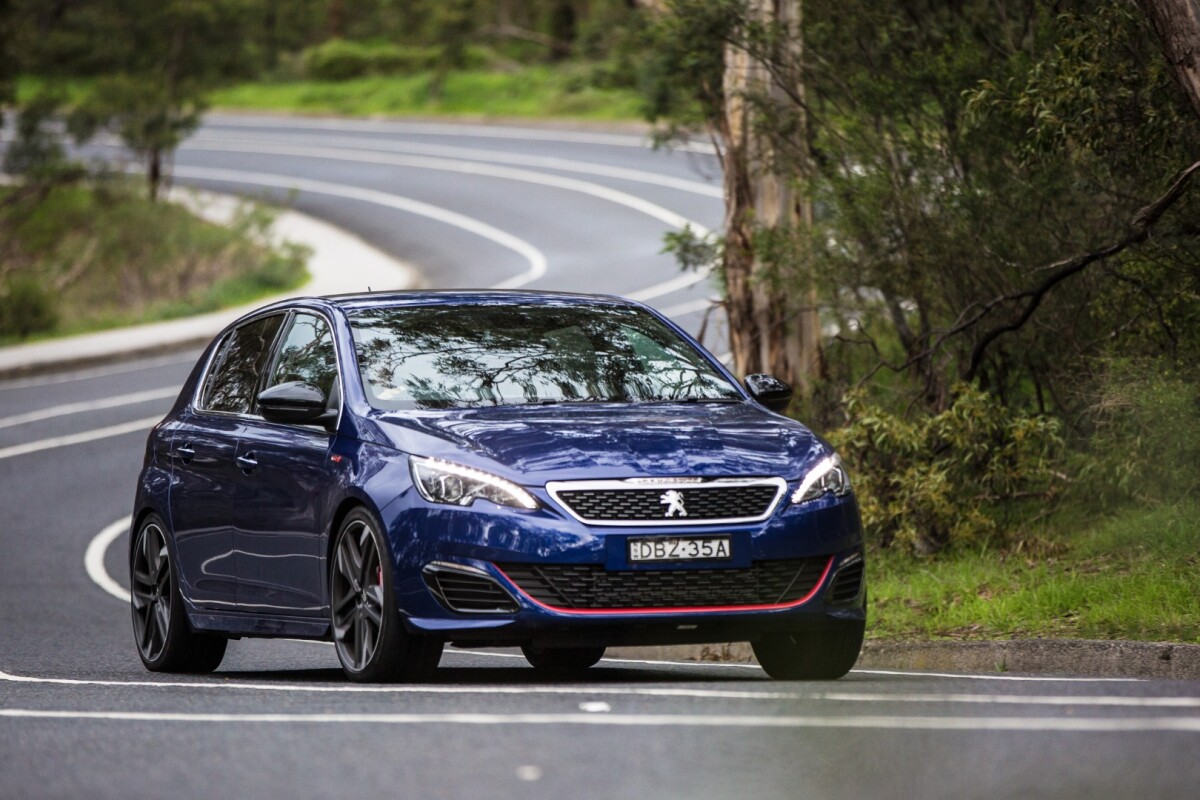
column 354, row 302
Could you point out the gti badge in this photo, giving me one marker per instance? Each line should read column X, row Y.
column 673, row 500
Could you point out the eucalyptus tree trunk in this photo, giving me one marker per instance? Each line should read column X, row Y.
column 1177, row 23
column 770, row 298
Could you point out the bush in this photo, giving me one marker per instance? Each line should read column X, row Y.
column 340, row 60
column 1145, row 443
column 948, row 478
column 26, row 308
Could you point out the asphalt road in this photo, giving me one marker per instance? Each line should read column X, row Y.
column 80, row 717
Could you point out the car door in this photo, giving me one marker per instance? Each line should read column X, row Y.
column 205, row 479
column 286, row 475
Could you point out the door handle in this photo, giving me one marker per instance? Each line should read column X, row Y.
column 185, row 452
column 247, row 462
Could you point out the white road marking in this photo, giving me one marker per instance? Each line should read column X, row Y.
column 473, row 154
column 449, row 129
column 537, row 261
column 79, row 438
column 878, row 722
column 1100, row 701
column 470, row 168
column 88, row 405
column 93, row 559
column 690, row 307
column 98, row 372
column 94, row 563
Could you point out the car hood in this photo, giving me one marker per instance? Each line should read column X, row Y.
column 539, row 444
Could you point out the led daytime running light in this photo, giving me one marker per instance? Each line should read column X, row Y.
column 467, row 475
column 813, row 485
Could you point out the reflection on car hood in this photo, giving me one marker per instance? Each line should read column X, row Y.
column 580, row 441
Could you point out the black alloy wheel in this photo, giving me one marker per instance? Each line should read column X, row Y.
column 811, row 656
column 165, row 640
column 368, row 632
column 561, row 662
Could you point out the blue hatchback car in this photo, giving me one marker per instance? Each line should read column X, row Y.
column 562, row 473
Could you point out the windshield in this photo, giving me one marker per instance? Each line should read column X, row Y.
column 471, row 356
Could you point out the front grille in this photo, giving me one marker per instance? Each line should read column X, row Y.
column 623, row 502
column 589, row 586
column 467, row 592
column 846, row 584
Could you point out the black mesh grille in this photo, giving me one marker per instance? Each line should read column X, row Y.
column 588, row 586
column 631, row 505
column 468, row 593
column 846, row 584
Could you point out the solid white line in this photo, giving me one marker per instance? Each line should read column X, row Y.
column 93, row 559
column 1113, row 701
column 473, row 154
column 690, row 307
column 447, row 129
column 88, row 405
column 99, row 372
column 1031, row 724
column 468, row 168
column 79, row 438
column 537, row 261
column 94, row 563
column 1015, row 678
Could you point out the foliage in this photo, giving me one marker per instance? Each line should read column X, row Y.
column 26, row 307
column 339, row 59
column 153, row 61
column 531, row 92
column 90, row 256
column 954, row 477
column 1130, row 576
column 1145, row 434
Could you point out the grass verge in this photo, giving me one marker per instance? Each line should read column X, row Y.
column 85, row 258
column 532, row 92
column 1130, row 576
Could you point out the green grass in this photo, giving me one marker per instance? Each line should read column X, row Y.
column 103, row 256
column 532, row 92
column 1135, row 575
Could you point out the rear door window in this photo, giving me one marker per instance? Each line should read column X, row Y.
column 232, row 382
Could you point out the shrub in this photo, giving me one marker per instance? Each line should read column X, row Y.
column 1145, row 443
column 947, row 478
column 26, row 307
column 340, row 60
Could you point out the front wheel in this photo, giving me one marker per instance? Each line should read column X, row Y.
column 368, row 633
column 561, row 661
column 810, row 656
column 165, row 639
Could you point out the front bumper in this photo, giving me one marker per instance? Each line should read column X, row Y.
column 483, row 539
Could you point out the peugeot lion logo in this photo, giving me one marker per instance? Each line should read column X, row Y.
column 673, row 500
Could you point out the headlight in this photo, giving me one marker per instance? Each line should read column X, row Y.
column 456, row 485
column 827, row 477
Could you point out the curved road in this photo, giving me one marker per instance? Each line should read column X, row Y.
column 477, row 206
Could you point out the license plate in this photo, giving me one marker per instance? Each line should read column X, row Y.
column 680, row 549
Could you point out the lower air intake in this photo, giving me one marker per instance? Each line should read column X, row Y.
column 467, row 592
column 591, row 586
column 847, row 584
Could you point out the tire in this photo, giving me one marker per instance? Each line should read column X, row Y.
column 561, row 661
column 164, row 637
column 368, row 632
column 810, row 656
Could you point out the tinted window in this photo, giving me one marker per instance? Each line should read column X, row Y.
column 481, row 355
column 307, row 355
column 233, row 377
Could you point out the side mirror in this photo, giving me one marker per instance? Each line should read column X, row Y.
column 769, row 390
column 294, row 403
